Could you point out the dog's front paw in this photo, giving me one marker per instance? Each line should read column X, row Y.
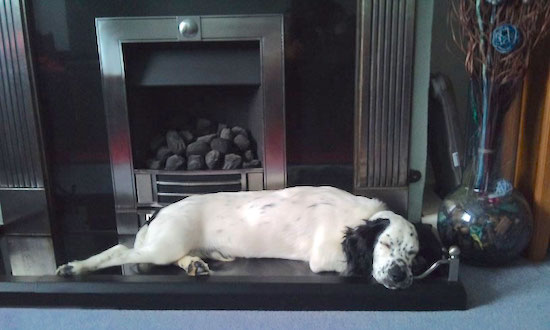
column 69, row 269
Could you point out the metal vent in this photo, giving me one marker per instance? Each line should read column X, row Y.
column 159, row 188
column 384, row 88
column 19, row 152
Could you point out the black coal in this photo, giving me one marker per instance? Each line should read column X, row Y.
column 203, row 146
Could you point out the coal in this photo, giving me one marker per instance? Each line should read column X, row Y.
column 248, row 155
column 198, row 148
column 220, row 128
column 175, row 142
column 227, row 134
column 239, row 130
column 221, row 145
column 187, row 136
column 252, row 164
column 212, row 159
column 232, row 161
column 207, row 138
column 242, row 142
column 195, row 163
column 215, row 145
column 154, row 164
column 163, row 153
column 174, row 162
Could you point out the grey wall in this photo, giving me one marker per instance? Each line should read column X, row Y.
column 419, row 119
column 446, row 58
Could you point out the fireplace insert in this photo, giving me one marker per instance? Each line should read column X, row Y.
column 194, row 105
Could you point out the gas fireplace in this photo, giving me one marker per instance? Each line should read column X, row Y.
column 194, row 105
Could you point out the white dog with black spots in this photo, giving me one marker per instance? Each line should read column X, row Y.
column 329, row 228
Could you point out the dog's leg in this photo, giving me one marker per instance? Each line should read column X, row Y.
column 116, row 256
column 138, row 243
column 327, row 256
column 194, row 266
column 216, row 255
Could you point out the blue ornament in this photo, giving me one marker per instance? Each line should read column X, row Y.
column 503, row 188
column 505, row 38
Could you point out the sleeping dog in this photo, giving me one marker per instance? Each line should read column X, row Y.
column 329, row 228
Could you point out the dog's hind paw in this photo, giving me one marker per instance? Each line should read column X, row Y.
column 69, row 269
column 198, row 268
column 194, row 266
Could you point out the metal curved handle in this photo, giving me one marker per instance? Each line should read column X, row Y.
column 452, row 260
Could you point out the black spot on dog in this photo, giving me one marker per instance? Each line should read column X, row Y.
column 358, row 246
column 266, row 206
column 148, row 222
column 429, row 251
column 317, row 204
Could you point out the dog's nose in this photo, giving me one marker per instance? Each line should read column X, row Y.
column 397, row 274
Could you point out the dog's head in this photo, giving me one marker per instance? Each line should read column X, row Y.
column 386, row 247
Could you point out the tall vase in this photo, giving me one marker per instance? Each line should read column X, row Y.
column 486, row 217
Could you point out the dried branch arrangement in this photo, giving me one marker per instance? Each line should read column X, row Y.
column 497, row 37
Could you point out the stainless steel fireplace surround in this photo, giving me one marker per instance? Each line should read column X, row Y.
column 138, row 190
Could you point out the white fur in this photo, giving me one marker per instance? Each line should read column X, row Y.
column 300, row 223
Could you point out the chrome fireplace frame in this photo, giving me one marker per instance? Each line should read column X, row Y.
column 112, row 33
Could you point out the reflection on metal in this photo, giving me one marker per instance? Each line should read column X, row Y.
column 188, row 27
column 31, row 256
column 452, row 260
column 383, row 97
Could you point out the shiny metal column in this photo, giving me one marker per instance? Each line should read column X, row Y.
column 23, row 198
column 385, row 49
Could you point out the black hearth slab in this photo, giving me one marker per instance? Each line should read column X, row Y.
column 159, row 292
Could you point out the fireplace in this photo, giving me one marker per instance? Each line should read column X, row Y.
column 145, row 96
column 194, row 105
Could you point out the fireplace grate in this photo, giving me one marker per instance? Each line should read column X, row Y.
column 159, row 188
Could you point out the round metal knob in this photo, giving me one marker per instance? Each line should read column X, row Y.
column 188, row 27
column 454, row 251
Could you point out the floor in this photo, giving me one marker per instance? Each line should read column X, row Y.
column 513, row 297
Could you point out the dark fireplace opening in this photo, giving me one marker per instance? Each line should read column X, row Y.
column 202, row 118
column 197, row 117
column 194, row 105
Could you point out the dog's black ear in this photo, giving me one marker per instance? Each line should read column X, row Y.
column 358, row 246
column 430, row 249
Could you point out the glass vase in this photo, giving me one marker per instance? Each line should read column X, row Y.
column 486, row 217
